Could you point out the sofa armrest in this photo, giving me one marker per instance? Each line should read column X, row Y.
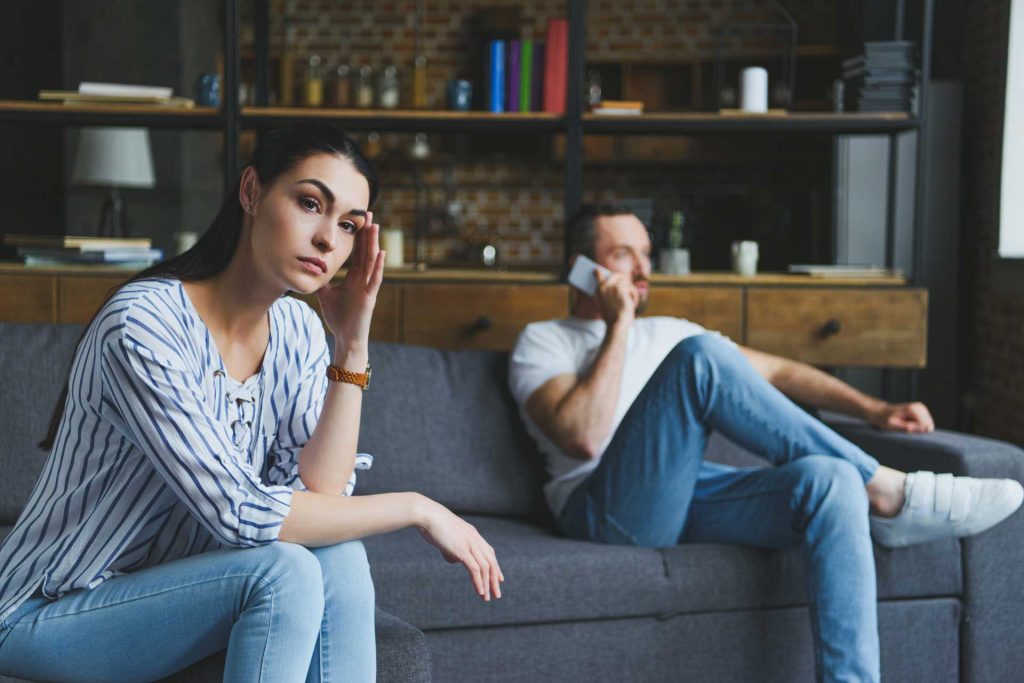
column 940, row 451
column 992, row 638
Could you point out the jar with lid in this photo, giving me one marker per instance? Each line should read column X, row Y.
column 342, row 87
column 314, row 83
column 364, row 87
column 419, row 83
column 389, row 90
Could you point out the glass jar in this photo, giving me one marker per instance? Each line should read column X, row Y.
column 419, row 83
column 364, row 87
column 342, row 87
column 314, row 83
column 389, row 90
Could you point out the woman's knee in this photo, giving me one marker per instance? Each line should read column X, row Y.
column 346, row 575
column 291, row 572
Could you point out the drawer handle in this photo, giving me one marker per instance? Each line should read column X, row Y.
column 482, row 324
column 831, row 328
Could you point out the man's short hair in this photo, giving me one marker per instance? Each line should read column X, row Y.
column 581, row 226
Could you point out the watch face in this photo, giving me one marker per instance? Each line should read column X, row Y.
column 369, row 371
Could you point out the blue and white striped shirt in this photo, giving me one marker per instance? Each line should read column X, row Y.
column 160, row 454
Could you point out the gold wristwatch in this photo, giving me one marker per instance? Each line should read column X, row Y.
column 360, row 379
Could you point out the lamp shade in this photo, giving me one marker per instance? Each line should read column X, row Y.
column 112, row 156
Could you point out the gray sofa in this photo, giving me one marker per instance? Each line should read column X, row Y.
column 443, row 423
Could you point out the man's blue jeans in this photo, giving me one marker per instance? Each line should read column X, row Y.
column 284, row 613
column 652, row 489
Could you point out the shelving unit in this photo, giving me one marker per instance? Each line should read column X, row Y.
column 232, row 118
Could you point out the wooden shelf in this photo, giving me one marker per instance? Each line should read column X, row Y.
column 410, row 274
column 46, row 113
column 709, row 122
column 406, row 119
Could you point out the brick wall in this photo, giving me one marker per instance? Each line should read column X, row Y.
column 510, row 191
column 995, row 319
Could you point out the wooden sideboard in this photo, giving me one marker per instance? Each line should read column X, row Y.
column 874, row 323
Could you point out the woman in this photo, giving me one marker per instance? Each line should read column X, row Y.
column 194, row 498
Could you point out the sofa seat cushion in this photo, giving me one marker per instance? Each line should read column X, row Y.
column 549, row 578
column 713, row 577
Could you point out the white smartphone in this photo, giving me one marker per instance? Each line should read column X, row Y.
column 582, row 275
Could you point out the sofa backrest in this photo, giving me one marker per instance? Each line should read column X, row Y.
column 444, row 423
column 34, row 362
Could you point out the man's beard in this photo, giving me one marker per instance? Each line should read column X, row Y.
column 641, row 305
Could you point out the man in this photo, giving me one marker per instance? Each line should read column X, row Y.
column 622, row 408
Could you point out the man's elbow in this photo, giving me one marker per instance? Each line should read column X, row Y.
column 583, row 449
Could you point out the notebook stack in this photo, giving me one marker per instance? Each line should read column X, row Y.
column 884, row 78
column 65, row 250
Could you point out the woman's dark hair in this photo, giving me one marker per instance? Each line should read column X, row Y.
column 276, row 152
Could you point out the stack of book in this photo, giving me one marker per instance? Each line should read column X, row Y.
column 529, row 75
column 116, row 93
column 65, row 250
column 884, row 78
column 619, row 108
column 844, row 271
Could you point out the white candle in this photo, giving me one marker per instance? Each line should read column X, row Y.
column 391, row 242
column 754, row 90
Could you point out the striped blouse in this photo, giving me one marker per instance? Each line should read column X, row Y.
column 160, row 454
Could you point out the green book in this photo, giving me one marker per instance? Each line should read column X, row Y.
column 525, row 75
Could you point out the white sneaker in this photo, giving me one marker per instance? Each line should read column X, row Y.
column 944, row 506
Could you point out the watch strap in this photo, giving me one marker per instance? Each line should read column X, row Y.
column 339, row 374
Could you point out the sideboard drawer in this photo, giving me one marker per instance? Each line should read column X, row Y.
column 716, row 308
column 80, row 297
column 476, row 316
column 384, row 327
column 866, row 327
column 28, row 298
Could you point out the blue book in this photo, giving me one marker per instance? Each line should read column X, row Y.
column 496, row 79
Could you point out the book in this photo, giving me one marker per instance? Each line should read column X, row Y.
column 537, row 83
column 556, row 65
column 121, row 90
column 44, row 262
column 615, row 111
column 72, row 97
column 95, row 256
column 512, row 75
column 844, row 271
column 619, row 108
column 496, row 76
column 80, row 242
column 526, row 76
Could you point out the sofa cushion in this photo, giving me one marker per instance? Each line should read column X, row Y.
column 444, row 423
column 34, row 363
column 549, row 578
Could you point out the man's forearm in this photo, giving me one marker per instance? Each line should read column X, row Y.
column 810, row 386
column 589, row 408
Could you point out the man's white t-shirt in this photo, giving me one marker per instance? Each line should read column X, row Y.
column 570, row 346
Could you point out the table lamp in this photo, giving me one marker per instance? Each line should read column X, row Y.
column 114, row 157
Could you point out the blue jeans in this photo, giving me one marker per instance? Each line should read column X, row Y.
column 284, row 613
column 653, row 489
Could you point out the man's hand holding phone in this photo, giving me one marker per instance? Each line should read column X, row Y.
column 618, row 298
column 615, row 293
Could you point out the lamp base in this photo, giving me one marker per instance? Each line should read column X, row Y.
column 113, row 216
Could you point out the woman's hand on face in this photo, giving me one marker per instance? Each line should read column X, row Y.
column 348, row 307
column 459, row 541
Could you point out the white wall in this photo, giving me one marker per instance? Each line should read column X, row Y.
column 1011, row 210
